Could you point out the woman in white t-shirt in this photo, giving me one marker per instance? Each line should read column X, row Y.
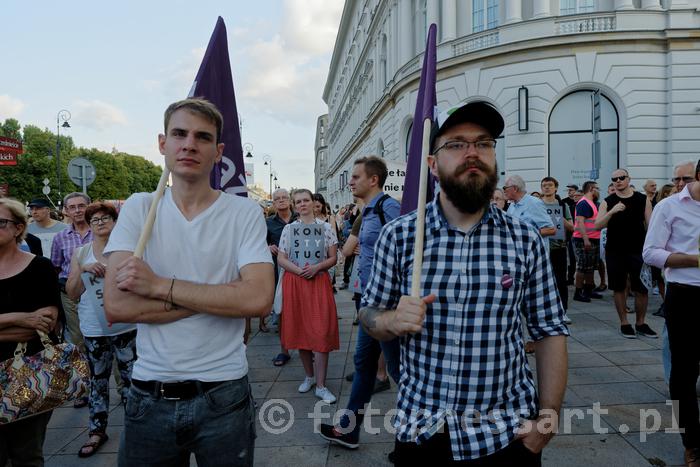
column 307, row 250
column 103, row 341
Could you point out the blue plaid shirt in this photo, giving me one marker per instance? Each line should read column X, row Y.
column 468, row 367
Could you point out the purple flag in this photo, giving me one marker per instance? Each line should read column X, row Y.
column 215, row 83
column 425, row 108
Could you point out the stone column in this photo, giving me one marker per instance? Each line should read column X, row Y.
column 405, row 33
column 624, row 5
column 542, row 9
column 651, row 5
column 514, row 11
column 449, row 20
column 432, row 12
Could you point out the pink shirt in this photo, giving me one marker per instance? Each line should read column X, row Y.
column 674, row 228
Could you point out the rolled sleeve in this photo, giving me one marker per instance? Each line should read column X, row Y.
column 654, row 252
column 383, row 288
column 541, row 304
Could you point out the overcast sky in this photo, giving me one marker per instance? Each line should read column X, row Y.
column 116, row 66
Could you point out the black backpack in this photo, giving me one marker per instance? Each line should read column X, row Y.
column 379, row 209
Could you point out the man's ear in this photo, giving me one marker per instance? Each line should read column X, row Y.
column 432, row 165
column 219, row 151
column 161, row 143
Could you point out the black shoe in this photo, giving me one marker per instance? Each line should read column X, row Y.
column 392, row 457
column 80, row 403
column 646, row 331
column 380, row 385
column 350, row 376
column 627, row 331
column 348, row 440
column 593, row 294
column 580, row 297
column 601, row 288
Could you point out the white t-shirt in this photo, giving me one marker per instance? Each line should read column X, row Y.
column 91, row 310
column 46, row 235
column 209, row 249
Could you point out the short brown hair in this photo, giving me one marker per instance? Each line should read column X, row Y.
column 199, row 106
column 374, row 166
column 18, row 213
column 100, row 206
column 550, row 179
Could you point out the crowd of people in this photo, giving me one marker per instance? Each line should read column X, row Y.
column 172, row 326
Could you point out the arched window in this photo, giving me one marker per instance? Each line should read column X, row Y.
column 571, row 7
column 583, row 138
column 484, row 13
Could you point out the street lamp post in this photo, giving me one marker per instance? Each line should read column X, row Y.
column 268, row 161
column 62, row 115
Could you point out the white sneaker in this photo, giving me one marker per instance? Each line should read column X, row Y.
column 567, row 320
column 325, row 395
column 307, row 384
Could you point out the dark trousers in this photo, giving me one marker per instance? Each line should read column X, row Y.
column 682, row 321
column 22, row 442
column 437, row 451
column 571, row 272
column 347, row 268
column 558, row 258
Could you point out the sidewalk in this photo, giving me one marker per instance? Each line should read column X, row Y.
column 624, row 375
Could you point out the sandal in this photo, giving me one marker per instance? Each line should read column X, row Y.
column 281, row 359
column 262, row 327
column 93, row 446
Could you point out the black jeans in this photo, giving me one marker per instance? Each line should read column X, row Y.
column 437, row 451
column 558, row 258
column 571, row 271
column 682, row 321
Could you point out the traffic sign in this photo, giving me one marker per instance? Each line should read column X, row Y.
column 81, row 172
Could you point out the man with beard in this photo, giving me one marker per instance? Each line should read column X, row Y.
column 466, row 389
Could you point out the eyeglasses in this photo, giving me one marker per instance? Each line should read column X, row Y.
column 77, row 207
column 619, row 179
column 4, row 222
column 482, row 146
column 505, row 187
column 676, row 180
column 98, row 220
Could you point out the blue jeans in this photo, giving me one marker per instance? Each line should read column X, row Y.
column 366, row 355
column 217, row 426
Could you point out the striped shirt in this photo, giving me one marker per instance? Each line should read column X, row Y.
column 468, row 368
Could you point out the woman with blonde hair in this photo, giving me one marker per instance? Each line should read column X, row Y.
column 30, row 301
column 307, row 250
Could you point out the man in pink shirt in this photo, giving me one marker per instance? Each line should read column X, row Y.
column 672, row 244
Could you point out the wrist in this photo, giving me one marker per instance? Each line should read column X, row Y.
column 161, row 288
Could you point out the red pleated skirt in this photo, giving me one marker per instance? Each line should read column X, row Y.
column 309, row 319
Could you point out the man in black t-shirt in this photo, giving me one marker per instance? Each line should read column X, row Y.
column 571, row 203
column 626, row 214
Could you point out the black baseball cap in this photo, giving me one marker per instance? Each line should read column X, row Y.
column 575, row 187
column 479, row 112
column 39, row 203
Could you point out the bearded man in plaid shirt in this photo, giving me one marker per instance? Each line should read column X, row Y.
column 466, row 393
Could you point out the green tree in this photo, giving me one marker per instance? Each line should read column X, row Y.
column 118, row 175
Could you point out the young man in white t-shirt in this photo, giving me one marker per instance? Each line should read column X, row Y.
column 206, row 267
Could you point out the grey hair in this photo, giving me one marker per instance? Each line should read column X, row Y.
column 280, row 190
column 682, row 164
column 75, row 194
column 518, row 182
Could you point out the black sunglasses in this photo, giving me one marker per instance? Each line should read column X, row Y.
column 619, row 179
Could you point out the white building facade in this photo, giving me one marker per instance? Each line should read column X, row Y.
column 581, row 84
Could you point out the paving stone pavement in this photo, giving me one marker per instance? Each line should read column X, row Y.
column 624, row 376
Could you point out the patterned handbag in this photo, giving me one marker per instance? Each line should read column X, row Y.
column 41, row 382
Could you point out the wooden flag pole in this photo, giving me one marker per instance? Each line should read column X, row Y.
column 420, row 211
column 151, row 218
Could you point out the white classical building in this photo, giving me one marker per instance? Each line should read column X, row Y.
column 581, row 84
